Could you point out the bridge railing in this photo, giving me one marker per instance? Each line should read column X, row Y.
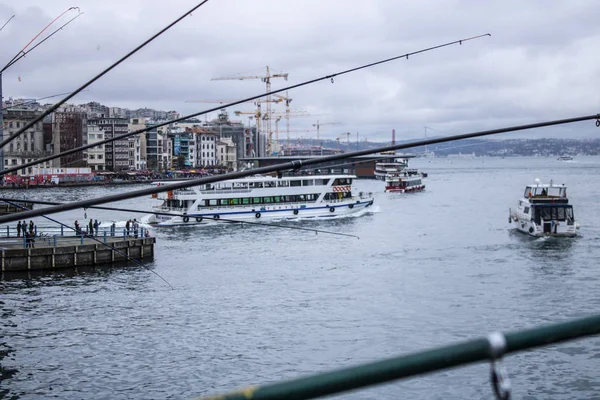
column 491, row 348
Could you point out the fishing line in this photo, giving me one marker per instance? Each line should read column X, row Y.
column 6, row 23
column 17, row 57
column 12, row 61
column 292, row 165
column 8, row 200
column 55, row 106
column 125, row 135
column 97, row 240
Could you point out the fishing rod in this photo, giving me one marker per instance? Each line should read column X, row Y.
column 125, row 135
column 17, row 57
column 55, row 106
column 97, row 240
column 13, row 60
column 6, row 23
column 8, row 200
column 292, row 165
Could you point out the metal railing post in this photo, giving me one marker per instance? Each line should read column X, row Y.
column 62, row 230
column 54, row 240
column 82, row 239
column 104, row 236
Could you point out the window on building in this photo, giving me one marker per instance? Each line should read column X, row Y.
column 92, row 135
column 25, row 146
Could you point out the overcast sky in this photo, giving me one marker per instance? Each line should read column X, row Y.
column 541, row 62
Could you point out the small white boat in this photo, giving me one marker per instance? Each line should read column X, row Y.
column 565, row 158
column 544, row 210
column 403, row 183
column 260, row 197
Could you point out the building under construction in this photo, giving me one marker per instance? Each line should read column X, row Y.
column 69, row 130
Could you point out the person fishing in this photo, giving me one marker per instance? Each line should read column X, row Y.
column 19, row 229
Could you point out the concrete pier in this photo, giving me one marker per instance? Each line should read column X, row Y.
column 71, row 251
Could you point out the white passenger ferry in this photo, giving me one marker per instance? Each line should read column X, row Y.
column 403, row 183
column 261, row 197
column 383, row 169
column 544, row 210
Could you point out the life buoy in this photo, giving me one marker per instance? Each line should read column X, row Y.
column 296, row 212
column 198, row 219
column 351, row 206
column 186, row 219
column 531, row 230
column 257, row 215
column 331, row 209
column 216, row 216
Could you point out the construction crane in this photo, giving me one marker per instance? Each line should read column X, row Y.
column 318, row 125
column 288, row 100
column 267, row 79
column 341, row 138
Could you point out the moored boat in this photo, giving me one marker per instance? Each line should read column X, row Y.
column 261, row 197
column 544, row 210
column 403, row 183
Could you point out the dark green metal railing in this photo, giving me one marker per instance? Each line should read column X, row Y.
column 491, row 348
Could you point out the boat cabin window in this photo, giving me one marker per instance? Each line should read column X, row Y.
column 321, row 182
column 556, row 213
column 283, row 183
column 270, row 184
column 296, row 183
column 240, row 185
column 545, row 191
column 256, row 185
column 244, row 201
column 308, row 182
column 342, row 181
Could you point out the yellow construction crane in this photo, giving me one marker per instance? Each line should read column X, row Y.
column 318, row 125
column 267, row 79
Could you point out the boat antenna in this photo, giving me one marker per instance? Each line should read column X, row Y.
column 151, row 127
column 55, row 106
column 292, row 165
column 95, row 239
column 53, row 203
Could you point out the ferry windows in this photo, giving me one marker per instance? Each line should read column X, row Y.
column 308, row 182
column 212, row 202
column 256, row 185
column 321, row 182
column 270, row 184
column 296, row 183
column 256, row 200
column 246, row 200
column 283, row 183
column 277, row 199
column 340, row 181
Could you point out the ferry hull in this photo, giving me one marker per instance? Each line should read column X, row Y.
column 532, row 229
column 260, row 214
column 392, row 189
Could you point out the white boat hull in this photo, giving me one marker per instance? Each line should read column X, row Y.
column 275, row 212
column 547, row 229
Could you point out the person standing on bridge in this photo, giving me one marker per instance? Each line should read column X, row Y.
column 31, row 227
column 91, row 227
column 19, row 229
column 96, row 225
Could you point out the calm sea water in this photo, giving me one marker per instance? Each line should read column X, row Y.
column 253, row 304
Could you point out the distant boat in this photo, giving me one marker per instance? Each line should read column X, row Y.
column 403, row 183
column 565, row 158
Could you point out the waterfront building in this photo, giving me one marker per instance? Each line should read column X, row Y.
column 117, row 152
column 95, row 157
column 29, row 146
column 226, row 154
column 69, row 131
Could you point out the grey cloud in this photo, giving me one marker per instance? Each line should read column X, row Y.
column 540, row 63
